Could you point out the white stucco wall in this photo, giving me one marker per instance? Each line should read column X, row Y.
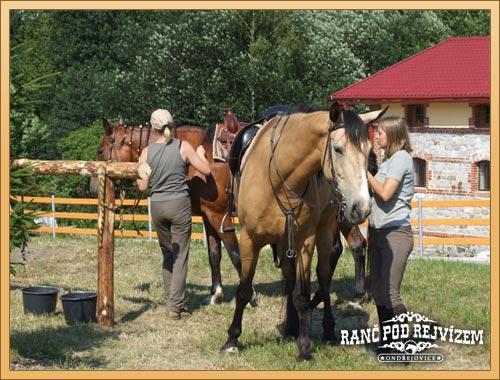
column 449, row 115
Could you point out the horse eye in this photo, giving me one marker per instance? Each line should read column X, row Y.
column 338, row 150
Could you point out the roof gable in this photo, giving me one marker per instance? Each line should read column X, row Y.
column 458, row 67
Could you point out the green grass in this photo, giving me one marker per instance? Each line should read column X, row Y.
column 452, row 293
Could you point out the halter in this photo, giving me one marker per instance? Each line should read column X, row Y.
column 290, row 211
column 121, row 187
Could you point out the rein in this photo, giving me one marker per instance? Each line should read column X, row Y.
column 290, row 211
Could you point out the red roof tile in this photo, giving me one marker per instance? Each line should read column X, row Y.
column 455, row 68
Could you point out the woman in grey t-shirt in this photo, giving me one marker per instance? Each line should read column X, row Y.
column 390, row 233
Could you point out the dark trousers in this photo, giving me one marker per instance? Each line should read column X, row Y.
column 389, row 249
column 172, row 220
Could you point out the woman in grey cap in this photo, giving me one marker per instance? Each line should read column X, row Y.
column 163, row 166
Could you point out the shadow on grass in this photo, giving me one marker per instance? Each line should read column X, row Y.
column 55, row 346
column 346, row 316
column 133, row 315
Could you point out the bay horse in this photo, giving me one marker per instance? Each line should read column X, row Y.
column 209, row 199
column 300, row 170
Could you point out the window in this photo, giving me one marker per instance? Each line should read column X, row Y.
column 419, row 167
column 484, row 175
column 415, row 115
column 482, row 116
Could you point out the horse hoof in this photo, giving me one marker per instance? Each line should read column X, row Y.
column 215, row 298
column 355, row 305
column 359, row 299
column 329, row 340
column 305, row 358
column 229, row 350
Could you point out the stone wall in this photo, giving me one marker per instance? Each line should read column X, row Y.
column 451, row 158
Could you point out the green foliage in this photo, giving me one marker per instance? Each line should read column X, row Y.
column 196, row 63
column 80, row 144
column 466, row 23
column 22, row 214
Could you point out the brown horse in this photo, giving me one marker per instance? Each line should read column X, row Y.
column 209, row 199
column 299, row 171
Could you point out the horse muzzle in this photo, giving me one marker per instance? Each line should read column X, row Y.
column 358, row 212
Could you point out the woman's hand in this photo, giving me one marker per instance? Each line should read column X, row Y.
column 384, row 190
column 201, row 151
column 196, row 158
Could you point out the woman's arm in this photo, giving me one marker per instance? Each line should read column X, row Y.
column 143, row 184
column 384, row 190
column 196, row 158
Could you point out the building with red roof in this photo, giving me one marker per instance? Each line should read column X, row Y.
column 444, row 94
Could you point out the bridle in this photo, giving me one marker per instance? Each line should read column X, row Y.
column 290, row 210
column 138, row 150
column 130, row 142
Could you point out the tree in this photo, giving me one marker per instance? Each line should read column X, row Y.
column 466, row 23
column 22, row 182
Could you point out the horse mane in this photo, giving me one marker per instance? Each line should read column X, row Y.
column 355, row 130
column 208, row 132
column 307, row 108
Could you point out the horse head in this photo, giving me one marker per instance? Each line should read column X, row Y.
column 113, row 147
column 346, row 160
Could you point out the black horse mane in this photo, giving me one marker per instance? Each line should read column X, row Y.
column 356, row 131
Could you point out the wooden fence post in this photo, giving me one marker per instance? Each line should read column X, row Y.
column 105, row 261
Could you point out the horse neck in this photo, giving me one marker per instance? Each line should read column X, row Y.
column 301, row 148
column 195, row 136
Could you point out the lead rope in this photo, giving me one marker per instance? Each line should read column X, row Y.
column 101, row 176
column 121, row 225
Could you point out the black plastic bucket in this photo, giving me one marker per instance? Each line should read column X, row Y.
column 40, row 299
column 79, row 307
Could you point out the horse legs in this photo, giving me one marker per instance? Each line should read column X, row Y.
column 214, row 258
column 232, row 248
column 357, row 243
column 324, row 272
column 301, row 296
column 249, row 256
column 336, row 250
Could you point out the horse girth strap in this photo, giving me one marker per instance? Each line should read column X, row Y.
column 290, row 212
column 290, row 252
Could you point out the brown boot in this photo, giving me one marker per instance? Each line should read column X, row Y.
column 172, row 315
column 184, row 312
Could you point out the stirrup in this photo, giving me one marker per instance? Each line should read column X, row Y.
column 228, row 229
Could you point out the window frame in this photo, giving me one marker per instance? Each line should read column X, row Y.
column 485, row 174
column 482, row 116
column 420, row 161
column 412, row 112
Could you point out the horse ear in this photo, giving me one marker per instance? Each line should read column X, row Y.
column 335, row 111
column 369, row 117
column 108, row 129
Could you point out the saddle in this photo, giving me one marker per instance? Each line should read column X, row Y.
column 225, row 134
column 239, row 147
column 243, row 138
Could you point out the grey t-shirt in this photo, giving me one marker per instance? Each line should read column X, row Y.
column 395, row 212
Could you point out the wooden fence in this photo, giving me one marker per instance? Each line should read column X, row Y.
column 419, row 222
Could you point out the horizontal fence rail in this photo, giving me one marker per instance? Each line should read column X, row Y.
column 427, row 240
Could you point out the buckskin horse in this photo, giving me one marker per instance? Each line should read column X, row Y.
column 351, row 233
column 299, row 171
column 209, row 199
